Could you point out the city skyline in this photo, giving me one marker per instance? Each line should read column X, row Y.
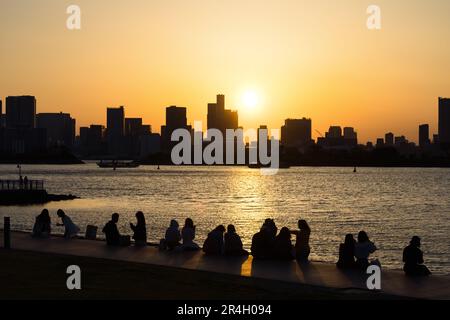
column 148, row 56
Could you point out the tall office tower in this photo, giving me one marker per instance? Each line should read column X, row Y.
column 350, row 136
column 21, row 112
column 389, row 139
column 334, row 132
column 115, row 129
column 221, row 118
column 133, row 127
column 60, row 128
column 444, row 120
column 424, row 135
column 175, row 119
column 296, row 132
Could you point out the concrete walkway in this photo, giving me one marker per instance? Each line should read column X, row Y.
column 316, row 274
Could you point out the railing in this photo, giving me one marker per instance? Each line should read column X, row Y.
column 21, row 185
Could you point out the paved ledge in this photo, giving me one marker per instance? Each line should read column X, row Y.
column 316, row 274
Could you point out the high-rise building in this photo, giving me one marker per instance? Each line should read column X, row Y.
column 175, row 119
column 296, row 132
column 221, row 118
column 444, row 120
column 133, row 127
column 115, row 129
column 350, row 134
column 21, row 112
column 60, row 128
column 389, row 139
column 335, row 139
column 424, row 135
column 380, row 143
column 335, row 132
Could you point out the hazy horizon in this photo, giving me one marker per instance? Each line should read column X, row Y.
column 300, row 58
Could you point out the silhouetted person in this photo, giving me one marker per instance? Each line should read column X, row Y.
column 302, row 248
column 363, row 249
column 233, row 243
column 173, row 235
column 139, row 230
column 214, row 242
column 188, row 236
column 283, row 245
column 271, row 227
column 70, row 228
column 347, row 253
column 263, row 243
column 25, row 182
column 42, row 225
column 413, row 259
column 111, row 232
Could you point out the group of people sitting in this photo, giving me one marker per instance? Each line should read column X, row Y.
column 355, row 255
column 43, row 225
column 218, row 241
column 266, row 244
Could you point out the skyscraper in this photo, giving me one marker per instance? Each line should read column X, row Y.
column 60, row 128
column 296, row 132
column 175, row 119
column 115, row 128
column 21, row 112
column 424, row 135
column 389, row 139
column 444, row 121
column 221, row 118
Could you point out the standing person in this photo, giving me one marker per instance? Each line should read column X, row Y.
column 70, row 228
column 233, row 243
column 173, row 235
column 139, row 230
column 25, row 181
column 363, row 249
column 413, row 259
column 214, row 242
column 111, row 232
column 302, row 248
column 42, row 226
column 188, row 236
column 283, row 245
column 347, row 253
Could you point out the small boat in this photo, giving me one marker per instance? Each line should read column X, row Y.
column 259, row 166
column 118, row 164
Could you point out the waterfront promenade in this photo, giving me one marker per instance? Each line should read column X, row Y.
column 313, row 274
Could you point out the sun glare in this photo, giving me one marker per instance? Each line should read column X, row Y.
column 250, row 99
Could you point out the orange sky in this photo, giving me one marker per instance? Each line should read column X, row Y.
column 303, row 58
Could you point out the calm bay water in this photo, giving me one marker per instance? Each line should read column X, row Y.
column 391, row 204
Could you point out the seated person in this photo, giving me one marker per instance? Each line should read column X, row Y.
column 363, row 248
column 347, row 253
column 42, row 226
column 233, row 244
column 70, row 229
column 263, row 244
column 214, row 243
column 302, row 248
column 283, row 248
column 188, row 236
column 139, row 230
column 173, row 236
column 413, row 259
column 111, row 232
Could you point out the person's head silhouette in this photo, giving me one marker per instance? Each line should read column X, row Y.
column 115, row 217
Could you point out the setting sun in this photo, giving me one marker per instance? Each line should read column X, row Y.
column 250, row 99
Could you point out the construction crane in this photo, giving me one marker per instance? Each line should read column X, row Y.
column 320, row 133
